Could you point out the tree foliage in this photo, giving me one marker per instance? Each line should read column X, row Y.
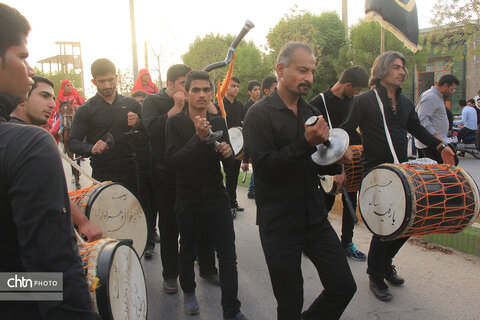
column 249, row 63
column 125, row 81
column 58, row 77
column 456, row 26
column 326, row 35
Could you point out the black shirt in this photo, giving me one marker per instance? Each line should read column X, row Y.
column 247, row 106
column 197, row 165
column 338, row 110
column 155, row 113
column 365, row 113
column 142, row 153
column 235, row 112
column 93, row 120
column 36, row 231
column 287, row 190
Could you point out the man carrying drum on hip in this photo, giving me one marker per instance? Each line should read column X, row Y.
column 388, row 73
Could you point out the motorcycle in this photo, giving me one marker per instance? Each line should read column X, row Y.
column 470, row 144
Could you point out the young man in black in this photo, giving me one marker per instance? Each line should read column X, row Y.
column 290, row 206
column 202, row 200
column 253, row 88
column 388, row 74
column 156, row 109
column 107, row 112
column 337, row 100
column 235, row 116
column 36, row 233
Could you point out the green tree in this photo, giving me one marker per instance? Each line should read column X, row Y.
column 250, row 63
column 125, row 81
column 326, row 35
column 58, row 77
column 456, row 27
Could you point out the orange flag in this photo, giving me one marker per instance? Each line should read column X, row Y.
column 222, row 89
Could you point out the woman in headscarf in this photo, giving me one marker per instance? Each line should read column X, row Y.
column 144, row 82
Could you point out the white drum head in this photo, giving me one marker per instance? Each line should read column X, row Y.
column 382, row 201
column 127, row 289
column 236, row 140
column 118, row 213
column 328, row 185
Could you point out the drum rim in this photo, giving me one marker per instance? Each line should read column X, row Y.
column 409, row 199
column 104, row 263
column 476, row 193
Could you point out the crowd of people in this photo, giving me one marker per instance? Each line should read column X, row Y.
column 156, row 143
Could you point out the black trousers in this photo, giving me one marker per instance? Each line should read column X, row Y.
column 381, row 254
column 347, row 220
column 232, row 170
column 165, row 194
column 214, row 220
column 128, row 176
column 283, row 253
column 146, row 197
column 465, row 132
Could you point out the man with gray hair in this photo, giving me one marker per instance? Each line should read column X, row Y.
column 291, row 211
column 389, row 71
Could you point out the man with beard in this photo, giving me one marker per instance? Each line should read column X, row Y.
column 107, row 113
column 433, row 116
column 36, row 232
column 291, row 211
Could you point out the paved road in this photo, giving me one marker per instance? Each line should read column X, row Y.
column 438, row 285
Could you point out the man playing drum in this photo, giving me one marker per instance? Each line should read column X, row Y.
column 202, row 200
column 388, row 74
column 36, row 232
column 337, row 101
column 290, row 206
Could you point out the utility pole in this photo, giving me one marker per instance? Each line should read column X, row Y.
column 134, row 41
column 345, row 14
column 146, row 55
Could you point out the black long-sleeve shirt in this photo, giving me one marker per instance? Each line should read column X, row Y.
column 36, row 233
column 366, row 114
column 338, row 110
column 235, row 112
column 93, row 120
column 286, row 183
column 197, row 165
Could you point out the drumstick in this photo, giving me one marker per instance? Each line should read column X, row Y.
column 349, row 204
column 76, row 166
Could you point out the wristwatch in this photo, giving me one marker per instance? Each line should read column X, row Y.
column 442, row 146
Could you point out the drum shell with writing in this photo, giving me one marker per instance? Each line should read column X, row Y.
column 115, row 211
column 115, row 279
column 404, row 200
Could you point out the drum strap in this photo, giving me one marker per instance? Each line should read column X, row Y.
column 326, row 110
column 387, row 133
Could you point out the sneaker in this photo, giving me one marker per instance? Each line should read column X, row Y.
column 238, row 316
column 190, row 303
column 392, row 276
column 156, row 237
column 234, row 212
column 354, row 253
column 170, row 286
column 148, row 252
column 212, row 278
column 251, row 195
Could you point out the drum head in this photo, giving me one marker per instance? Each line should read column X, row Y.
column 118, row 213
column 236, row 140
column 328, row 185
column 123, row 293
column 384, row 201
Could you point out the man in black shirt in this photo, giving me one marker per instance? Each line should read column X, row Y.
column 290, row 205
column 107, row 112
column 235, row 116
column 202, row 201
column 253, row 88
column 388, row 74
column 156, row 109
column 36, row 232
column 337, row 100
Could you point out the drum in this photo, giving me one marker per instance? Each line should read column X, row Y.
column 236, row 140
column 328, row 185
column 115, row 211
column 354, row 169
column 115, row 279
column 404, row 200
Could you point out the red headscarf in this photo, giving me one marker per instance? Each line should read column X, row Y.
column 75, row 96
column 150, row 88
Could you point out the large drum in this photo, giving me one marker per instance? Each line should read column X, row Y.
column 115, row 279
column 354, row 169
column 236, row 140
column 404, row 200
column 115, row 211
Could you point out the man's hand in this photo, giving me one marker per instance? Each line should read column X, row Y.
column 202, row 127
column 340, row 179
column 132, row 119
column 89, row 230
column 347, row 157
column 318, row 133
column 224, row 149
column 99, row 147
column 245, row 166
column 178, row 103
column 448, row 156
